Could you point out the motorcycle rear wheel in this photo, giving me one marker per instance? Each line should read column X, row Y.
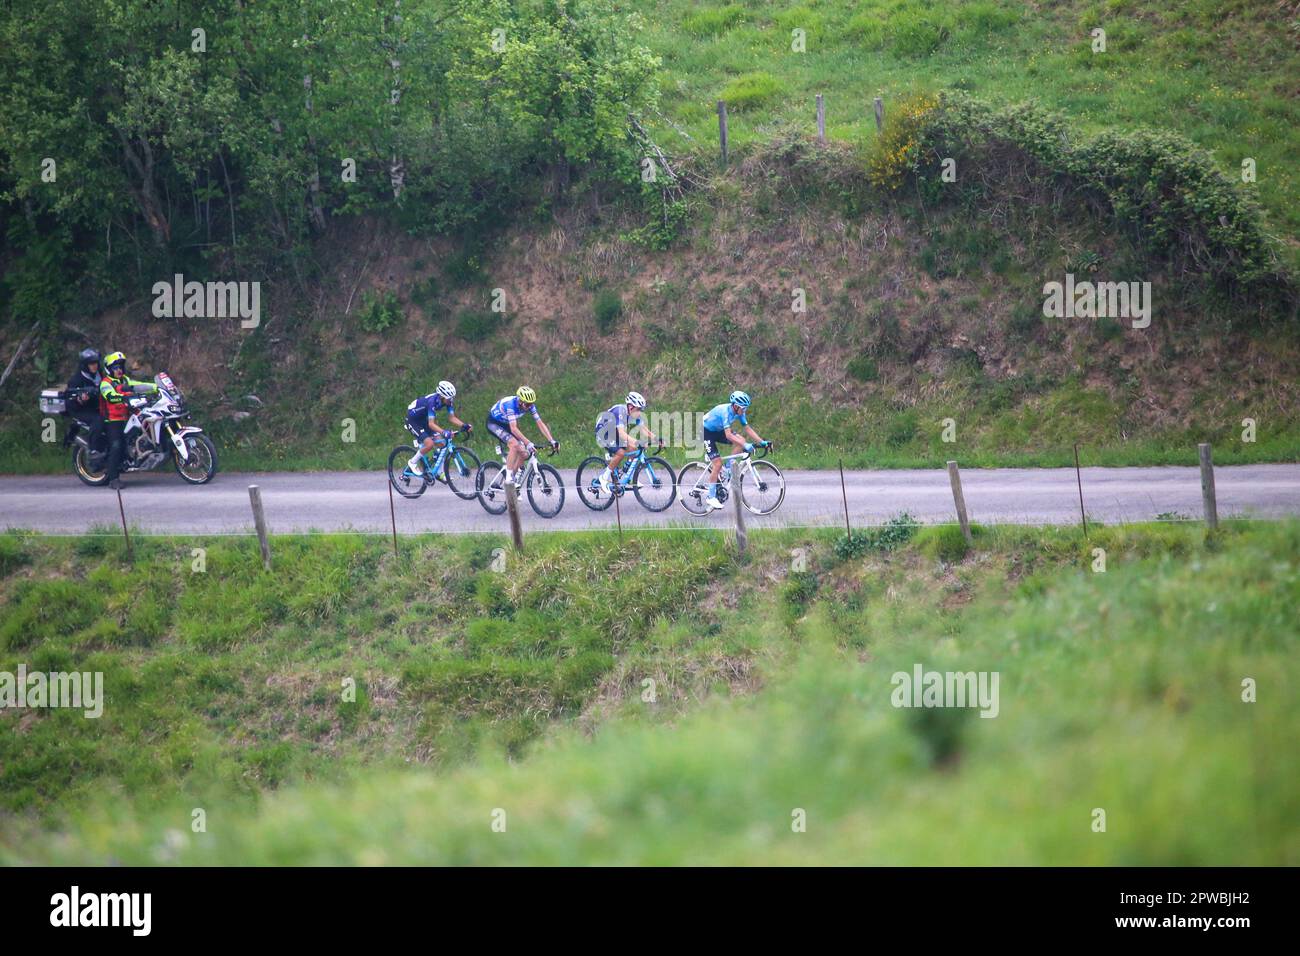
column 82, row 468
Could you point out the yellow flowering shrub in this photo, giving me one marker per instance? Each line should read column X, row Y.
column 897, row 149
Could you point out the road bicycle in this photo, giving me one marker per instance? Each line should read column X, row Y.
column 543, row 483
column 455, row 466
column 761, row 484
column 651, row 479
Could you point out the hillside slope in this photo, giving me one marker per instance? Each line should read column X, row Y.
column 1119, row 691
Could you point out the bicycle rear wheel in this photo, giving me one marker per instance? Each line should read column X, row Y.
column 655, row 484
column 588, row 490
column 460, row 469
column 762, row 487
column 404, row 481
column 490, row 488
column 546, row 491
column 693, row 487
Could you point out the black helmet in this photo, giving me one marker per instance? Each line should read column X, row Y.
column 88, row 356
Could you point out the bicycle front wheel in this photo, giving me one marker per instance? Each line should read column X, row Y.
column 404, row 481
column 546, row 491
column 762, row 487
column 693, row 487
column 655, row 484
column 489, row 485
column 588, row 490
column 460, row 469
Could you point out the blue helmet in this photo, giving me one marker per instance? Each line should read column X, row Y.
column 740, row 398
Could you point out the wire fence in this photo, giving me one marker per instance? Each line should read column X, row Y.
column 638, row 521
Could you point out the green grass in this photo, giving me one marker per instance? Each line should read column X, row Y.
column 1217, row 71
column 1118, row 690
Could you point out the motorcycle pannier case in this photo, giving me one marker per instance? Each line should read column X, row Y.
column 52, row 402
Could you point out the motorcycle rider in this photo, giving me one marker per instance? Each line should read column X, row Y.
column 114, row 391
column 84, row 407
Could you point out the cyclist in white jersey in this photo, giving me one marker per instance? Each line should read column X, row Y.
column 502, row 423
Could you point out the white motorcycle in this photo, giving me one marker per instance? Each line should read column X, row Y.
column 153, row 434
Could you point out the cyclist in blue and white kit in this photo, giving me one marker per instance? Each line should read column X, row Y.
column 717, row 429
column 613, row 433
column 420, row 421
column 502, row 423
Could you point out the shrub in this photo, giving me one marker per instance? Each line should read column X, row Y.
column 915, row 34
column 896, row 154
column 608, row 308
column 863, row 368
column 1161, row 187
column 713, row 21
column 799, row 589
column 463, row 267
column 12, row 554
column 751, row 89
column 890, row 536
column 901, row 430
column 945, row 543
column 378, row 313
column 475, row 326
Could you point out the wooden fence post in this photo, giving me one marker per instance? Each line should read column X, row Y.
column 880, row 114
column 821, row 120
column 954, row 478
column 1207, row 486
column 722, row 129
column 259, row 520
column 512, row 508
column 392, row 515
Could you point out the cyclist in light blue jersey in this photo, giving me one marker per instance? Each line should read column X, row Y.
column 502, row 422
column 613, row 433
column 717, row 429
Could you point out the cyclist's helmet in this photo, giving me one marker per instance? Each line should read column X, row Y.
column 115, row 363
column 740, row 399
column 636, row 399
column 526, row 395
column 88, row 357
column 447, row 390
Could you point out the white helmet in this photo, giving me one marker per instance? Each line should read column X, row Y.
column 636, row 399
column 447, row 390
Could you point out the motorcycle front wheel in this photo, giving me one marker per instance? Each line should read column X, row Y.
column 202, row 463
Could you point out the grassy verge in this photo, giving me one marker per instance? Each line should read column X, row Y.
column 1120, row 690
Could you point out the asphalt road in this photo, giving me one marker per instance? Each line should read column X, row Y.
column 332, row 501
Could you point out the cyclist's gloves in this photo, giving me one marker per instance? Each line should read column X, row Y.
column 531, row 448
column 555, row 446
column 749, row 446
column 468, row 428
column 766, row 444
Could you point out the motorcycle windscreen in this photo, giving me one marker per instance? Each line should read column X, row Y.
column 164, row 381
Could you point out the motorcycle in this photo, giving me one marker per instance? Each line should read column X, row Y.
column 153, row 434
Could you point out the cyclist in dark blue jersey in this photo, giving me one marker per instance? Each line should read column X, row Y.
column 613, row 433
column 502, row 422
column 717, row 430
column 421, row 421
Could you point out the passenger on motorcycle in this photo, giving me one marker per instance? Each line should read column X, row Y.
column 114, row 390
column 83, row 401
